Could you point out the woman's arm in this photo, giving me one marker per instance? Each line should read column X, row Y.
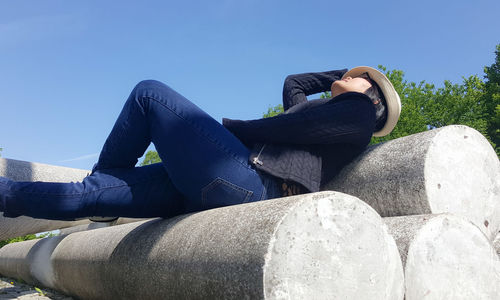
column 348, row 119
column 298, row 86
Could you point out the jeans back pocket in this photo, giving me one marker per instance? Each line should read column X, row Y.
column 220, row 192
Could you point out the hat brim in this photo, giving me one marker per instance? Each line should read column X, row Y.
column 391, row 96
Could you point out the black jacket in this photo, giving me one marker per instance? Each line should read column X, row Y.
column 312, row 140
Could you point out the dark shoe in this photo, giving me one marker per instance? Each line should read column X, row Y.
column 103, row 219
column 4, row 190
column 2, row 203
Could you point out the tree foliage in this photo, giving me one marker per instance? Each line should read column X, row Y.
column 151, row 157
column 278, row 109
column 326, row 95
column 273, row 111
column 413, row 97
column 26, row 238
column 473, row 103
column 491, row 100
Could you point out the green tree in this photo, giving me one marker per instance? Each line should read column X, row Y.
column 491, row 101
column 26, row 238
column 151, row 157
column 278, row 109
column 273, row 111
column 326, row 95
column 458, row 104
column 413, row 98
column 425, row 107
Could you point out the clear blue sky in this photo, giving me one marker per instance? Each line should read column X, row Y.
column 66, row 67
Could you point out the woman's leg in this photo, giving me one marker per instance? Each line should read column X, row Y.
column 206, row 166
column 133, row 192
column 204, row 161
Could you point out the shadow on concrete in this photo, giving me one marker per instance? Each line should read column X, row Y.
column 141, row 242
column 38, row 258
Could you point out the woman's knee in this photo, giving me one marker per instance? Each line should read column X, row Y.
column 153, row 89
column 149, row 85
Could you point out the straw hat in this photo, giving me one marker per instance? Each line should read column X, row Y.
column 393, row 102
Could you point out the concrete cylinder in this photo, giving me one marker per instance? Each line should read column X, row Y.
column 20, row 226
column 445, row 257
column 95, row 225
column 496, row 243
column 19, row 170
column 322, row 245
column 83, row 227
column 451, row 169
column 25, row 171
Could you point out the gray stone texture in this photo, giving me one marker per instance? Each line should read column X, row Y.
column 27, row 171
column 20, row 226
column 496, row 243
column 451, row 169
column 95, row 225
column 445, row 257
column 83, row 227
column 12, row 289
column 321, row 245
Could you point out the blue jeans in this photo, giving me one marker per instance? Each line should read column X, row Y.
column 203, row 166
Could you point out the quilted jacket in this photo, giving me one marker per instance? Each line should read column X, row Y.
column 312, row 140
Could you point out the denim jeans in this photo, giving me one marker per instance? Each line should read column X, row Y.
column 203, row 166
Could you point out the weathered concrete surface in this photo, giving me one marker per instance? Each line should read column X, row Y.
column 322, row 245
column 20, row 226
column 95, row 225
column 83, row 227
column 451, row 169
column 496, row 243
column 12, row 289
column 445, row 257
column 26, row 171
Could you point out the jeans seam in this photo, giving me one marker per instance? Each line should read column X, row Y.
column 201, row 133
column 120, row 135
column 219, row 180
column 70, row 194
column 146, row 179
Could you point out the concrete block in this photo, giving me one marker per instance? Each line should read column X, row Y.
column 451, row 169
column 322, row 245
column 445, row 257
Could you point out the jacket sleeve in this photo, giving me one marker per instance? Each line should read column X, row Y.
column 298, row 86
column 347, row 118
